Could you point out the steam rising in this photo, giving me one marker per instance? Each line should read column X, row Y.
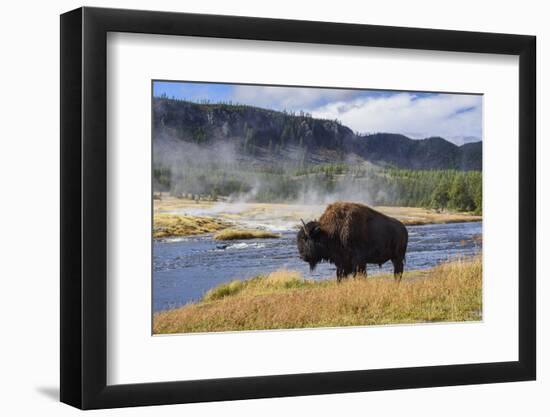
column 219, row 171
column 236, row 153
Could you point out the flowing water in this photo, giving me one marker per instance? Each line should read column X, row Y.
column 185, row 268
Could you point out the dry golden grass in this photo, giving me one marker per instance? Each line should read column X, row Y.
column 412, row 216
column 284, row 300
column 267, row 212
column 234, row 234
column 166, row 225
column 277, row 280
column 166, row 203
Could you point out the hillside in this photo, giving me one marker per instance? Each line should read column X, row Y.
column 266, row 135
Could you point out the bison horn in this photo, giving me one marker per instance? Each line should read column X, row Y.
column 304, row 226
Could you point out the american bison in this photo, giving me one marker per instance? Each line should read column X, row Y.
column 352, row 235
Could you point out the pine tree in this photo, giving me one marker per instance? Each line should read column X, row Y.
column 440, row 195
column 459, row 196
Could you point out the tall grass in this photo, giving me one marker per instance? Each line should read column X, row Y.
column 284, row 300
column 275, row 281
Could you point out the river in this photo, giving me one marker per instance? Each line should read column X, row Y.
column 185, row 268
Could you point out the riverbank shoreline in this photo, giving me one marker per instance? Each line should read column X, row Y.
column 202, row 217
column 449, row 292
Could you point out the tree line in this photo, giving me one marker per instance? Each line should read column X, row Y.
column 437, row 189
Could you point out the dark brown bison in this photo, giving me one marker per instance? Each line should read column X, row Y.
column 350, row 236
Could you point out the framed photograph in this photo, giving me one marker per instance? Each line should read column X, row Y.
column 257, row 208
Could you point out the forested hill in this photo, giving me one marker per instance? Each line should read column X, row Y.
column 268, row 135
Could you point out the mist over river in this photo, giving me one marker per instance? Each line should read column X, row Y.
column 185, row 268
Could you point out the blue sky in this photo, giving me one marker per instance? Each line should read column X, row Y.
column 456, row 117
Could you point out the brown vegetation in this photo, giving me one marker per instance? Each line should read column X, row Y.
column 167, row 225
column 412, row 216
column 234, row 234
column 284, row 300
column 407, row 215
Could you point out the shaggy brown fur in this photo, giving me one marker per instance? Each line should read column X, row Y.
column 346, row 221
column 350, row 235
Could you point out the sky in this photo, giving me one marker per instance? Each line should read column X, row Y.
column 418, row 115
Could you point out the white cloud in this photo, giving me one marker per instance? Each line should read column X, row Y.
column 454, row 117
column 451, row 116
column 288, row 98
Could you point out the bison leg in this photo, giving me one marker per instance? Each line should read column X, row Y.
column 339, row 274
column 343, row 271
column 348, row 270
column 361, row 269
column 397, row 269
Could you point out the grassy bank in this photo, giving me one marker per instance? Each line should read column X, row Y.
column 413, row 216
column 285, row 300
column 235, row 234
column 166, row 225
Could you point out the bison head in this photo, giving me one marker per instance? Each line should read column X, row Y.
column 309, row 243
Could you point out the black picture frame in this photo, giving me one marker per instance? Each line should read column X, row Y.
column 84, row 207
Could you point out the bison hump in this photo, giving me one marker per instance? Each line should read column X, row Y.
column 346, row 222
